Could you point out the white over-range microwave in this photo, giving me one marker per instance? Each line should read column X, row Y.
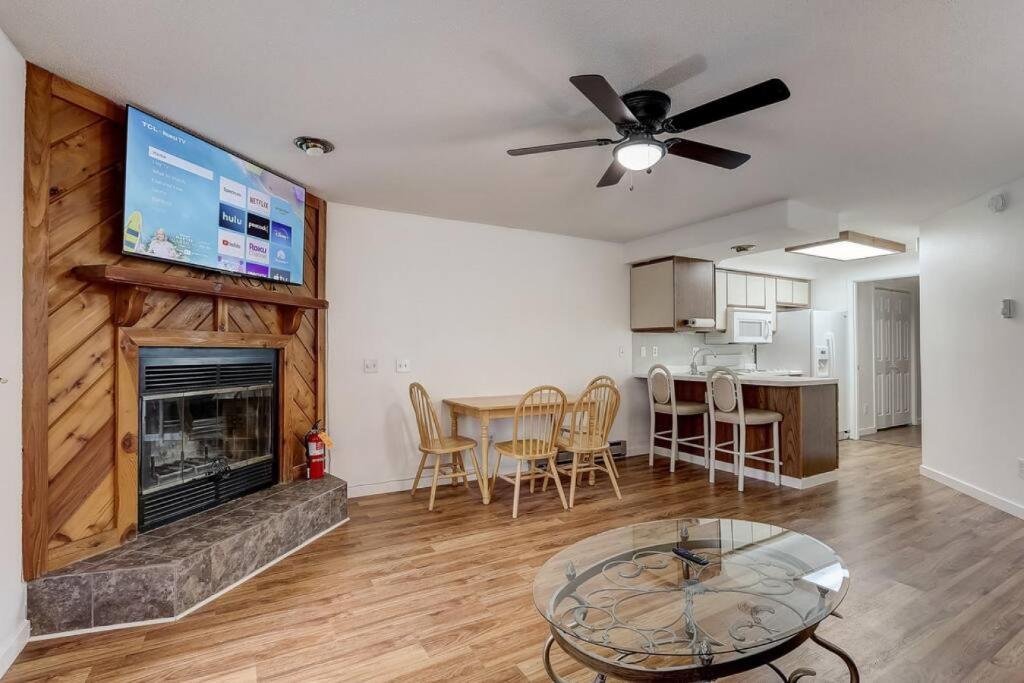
column 743, row 326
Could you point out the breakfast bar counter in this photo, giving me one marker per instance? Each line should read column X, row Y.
column 809, row 432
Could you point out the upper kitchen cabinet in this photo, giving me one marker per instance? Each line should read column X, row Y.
column 792, row 293
column 663, row 294
column 743, row 290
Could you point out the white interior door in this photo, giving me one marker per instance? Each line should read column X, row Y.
column 892, row 358
column 901, row 318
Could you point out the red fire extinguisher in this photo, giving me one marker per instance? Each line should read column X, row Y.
column 316, row 452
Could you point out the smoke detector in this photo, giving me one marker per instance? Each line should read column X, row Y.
column 314, row 147
column 744, row 248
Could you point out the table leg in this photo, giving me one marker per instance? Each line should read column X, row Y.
column 485, row 451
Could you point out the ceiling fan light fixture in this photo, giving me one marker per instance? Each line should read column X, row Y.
column 639, row 154
column 850, row 246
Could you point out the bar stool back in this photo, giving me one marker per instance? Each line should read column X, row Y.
column 725, row 403
column 661, row 391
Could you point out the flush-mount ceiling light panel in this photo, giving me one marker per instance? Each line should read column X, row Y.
column 850, row 246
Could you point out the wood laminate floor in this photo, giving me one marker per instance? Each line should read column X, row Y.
column 403, row 594
column 897, row 436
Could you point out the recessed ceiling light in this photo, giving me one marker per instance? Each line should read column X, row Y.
column 850, row 246
column 314, row 147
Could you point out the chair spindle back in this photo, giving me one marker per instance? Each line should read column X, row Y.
column 594, row 414
column 426, row 417
column 538, row 418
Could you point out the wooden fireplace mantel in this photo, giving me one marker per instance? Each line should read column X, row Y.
column 133, row 285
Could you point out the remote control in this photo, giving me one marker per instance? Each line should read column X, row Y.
column 692, row 557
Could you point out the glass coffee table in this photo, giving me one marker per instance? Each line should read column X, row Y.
column 689, row 599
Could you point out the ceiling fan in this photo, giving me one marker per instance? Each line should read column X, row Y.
column 641, row 115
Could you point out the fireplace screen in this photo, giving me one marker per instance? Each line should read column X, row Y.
column 201, row 434
column 207, row 429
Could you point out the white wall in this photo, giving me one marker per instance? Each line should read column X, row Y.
column 13, row 625
column 477, row 309
column 971, row 370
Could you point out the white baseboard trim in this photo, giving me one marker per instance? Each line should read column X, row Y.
column 12, row 648
column 193, row 608
column 753, row 473
column 867, row 431
column 998, row 502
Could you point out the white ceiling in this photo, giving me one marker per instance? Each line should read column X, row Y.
column 900, row 108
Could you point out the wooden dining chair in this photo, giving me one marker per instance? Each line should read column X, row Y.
column 565, row 426
column 434, row 443
column 590, row 423
column 535, row 426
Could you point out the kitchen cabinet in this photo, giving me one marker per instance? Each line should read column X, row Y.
column 755, row 291
column 792, row 293
column 666, row 292
column 736, row 292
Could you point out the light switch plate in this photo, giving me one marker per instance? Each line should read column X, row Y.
column 643, row 352
column 1020, row 467
column 403, row 365
column 369, row 365
column 654, row 352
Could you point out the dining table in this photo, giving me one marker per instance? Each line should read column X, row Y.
column 485, row 409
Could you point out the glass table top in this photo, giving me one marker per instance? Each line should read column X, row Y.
column 628, row 590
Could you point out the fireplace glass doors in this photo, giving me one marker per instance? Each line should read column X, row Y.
column 207, row 428
column 192, row 435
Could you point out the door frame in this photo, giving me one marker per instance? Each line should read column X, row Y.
column 858, row 426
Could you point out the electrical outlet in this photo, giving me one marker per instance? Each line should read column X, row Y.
column 654, row 352
column 1020, row 467
column 643, row 352
column 369, row 365
column 402, row 365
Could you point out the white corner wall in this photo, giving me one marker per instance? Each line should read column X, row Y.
column 971, row 367
column 476, row 309
column 13, row 625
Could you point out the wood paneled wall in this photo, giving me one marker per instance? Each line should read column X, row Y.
column 73, row 216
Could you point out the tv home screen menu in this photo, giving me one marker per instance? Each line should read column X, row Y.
column 189, row 201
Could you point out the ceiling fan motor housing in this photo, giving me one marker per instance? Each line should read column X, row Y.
column 650, row 107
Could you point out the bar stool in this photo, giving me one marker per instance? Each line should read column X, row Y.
column 661, row 391
column 725, row 401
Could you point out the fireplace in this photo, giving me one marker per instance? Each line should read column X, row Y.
column 207, row 428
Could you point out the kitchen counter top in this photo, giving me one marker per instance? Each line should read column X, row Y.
column 753, row 379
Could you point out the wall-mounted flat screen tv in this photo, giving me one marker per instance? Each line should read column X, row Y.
column 189, row 201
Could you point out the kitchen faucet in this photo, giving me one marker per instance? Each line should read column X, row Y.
column 693, row 358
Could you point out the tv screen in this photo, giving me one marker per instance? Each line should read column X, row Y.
column 189, row 201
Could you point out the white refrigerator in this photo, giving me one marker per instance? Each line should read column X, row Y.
column 813, row 342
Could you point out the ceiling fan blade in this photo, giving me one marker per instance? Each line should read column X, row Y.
column 708, row 154
column 559, row 146
column 603, row 96
column 754, row 97
column 613, row 175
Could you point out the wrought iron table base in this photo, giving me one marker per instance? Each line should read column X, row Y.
column 653, row 675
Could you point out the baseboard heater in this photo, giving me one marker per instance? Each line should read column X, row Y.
column 618, row 449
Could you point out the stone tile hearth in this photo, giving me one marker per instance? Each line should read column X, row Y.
column 167, row 571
